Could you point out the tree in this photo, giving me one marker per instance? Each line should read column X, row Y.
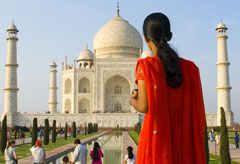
column 85, row 131
column 206, row 145
column 224, row 145
column 54, row 133
column 74, row 129
column 46, row 132
column 34, row 131
column 4, row 134
column 138, row 127
column 90, row 128
column 66, row 131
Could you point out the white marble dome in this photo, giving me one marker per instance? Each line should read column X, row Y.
column 86, row 55
column 117, row 37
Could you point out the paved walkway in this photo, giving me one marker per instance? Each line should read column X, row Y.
column 58, row 152
column 235, row 153
column 128, row 141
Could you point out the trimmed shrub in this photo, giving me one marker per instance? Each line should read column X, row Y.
column 66, row 131
column 46, row 132
column 34, row 131
column 224, row 145
column 54, row 132
column 138, row 127
column 85, row 131
column 74, row 130
column 4, row 134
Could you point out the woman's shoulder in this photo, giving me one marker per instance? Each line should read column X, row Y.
column 188, row 63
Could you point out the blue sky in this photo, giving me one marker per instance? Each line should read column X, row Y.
column 55, row 29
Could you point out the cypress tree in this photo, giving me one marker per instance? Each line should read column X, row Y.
column 34, row 131
column 54, row 133
column 89, row 129
column 46, row 132
column 224, row 145
column 66, row 131
column 85, row 129
column 4, row 134
column 74, row 129
column 206, row 146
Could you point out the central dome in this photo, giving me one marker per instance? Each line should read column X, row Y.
column 117, row 38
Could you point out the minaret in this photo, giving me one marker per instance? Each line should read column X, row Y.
column 52, row 105
column 223, row 82
column 11, row 89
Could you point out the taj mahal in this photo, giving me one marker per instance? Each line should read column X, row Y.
column 96, row 86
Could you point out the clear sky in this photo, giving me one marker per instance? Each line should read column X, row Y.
column 55, row 29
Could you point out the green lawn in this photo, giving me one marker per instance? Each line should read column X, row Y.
column 213, row 158
column 134, row 135
column 216, row 160
column 23, row 150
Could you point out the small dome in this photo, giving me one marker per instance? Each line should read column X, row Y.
column 12, row 27
column 221, row 25
column 86, row 55
column 117, row 37
column 146, row 53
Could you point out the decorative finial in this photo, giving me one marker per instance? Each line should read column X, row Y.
column 86, row 46
column 118, row 8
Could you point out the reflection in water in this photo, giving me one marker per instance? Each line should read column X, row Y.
column 111, row 145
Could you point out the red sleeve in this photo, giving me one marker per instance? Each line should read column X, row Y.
column 139, row 71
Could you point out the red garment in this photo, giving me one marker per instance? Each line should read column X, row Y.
column 173, row 128
column 100, row 154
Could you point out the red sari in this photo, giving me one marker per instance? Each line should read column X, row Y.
column 173, row 128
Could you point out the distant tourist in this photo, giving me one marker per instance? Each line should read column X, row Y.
column 22, row 136
column 41, row 133
column 130, row 157
column 8, row 135
column 211, row 135
column 217, row 139
column 237, row 140
column 10, row 153
column 66, row 160
column 170, row 95
column 38, row 153
column 96, row 154
column 79, row 153
column 78, row 130
column 61, row 132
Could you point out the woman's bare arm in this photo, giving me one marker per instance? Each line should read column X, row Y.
column 139, row 100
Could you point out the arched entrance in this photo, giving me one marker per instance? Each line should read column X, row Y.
column 117, row 91
column 84, row 86
column 84, row 106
